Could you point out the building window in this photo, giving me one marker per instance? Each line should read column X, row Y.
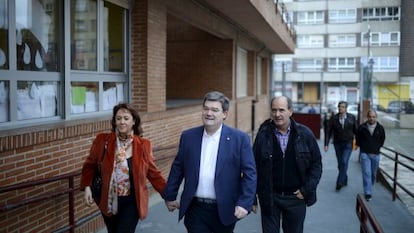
column 383, row 64
column 341, row 64
column 309, row 65
column 4, row 48
column 37, row 35
column 342, row 16
column 342, row 40
column 113, row 38
column 310, row 17
column 97, row 52
column 381, row 14
column 4, row 101
column 381, row 39
column 33, row 85
column 259, row 76
column 283, row 64
column 241, row 73
column 36, row 99
column 309, row 41
column 84, row 55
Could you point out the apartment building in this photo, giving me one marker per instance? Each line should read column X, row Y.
column 347, row 50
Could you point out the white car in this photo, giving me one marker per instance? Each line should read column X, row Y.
column 353, row 109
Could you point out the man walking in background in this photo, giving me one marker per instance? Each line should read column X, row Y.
column 343, row 126
column 370, row 138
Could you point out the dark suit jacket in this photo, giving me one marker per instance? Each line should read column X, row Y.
column 340, row 135
column 235, row 178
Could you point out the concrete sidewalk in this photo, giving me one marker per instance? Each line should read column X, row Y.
column 334, row 211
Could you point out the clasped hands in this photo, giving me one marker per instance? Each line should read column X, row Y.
column 172, row 205
column 239, row 211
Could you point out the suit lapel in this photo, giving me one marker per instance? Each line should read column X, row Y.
column 197, row 150
column 223, row 149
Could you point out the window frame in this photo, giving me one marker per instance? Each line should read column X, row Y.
column 381, row 14
column 349, row 40
column 310, row 17
column 335, row 16
column 384, row 39
column 314, row 65
column 310, row 41
column 65, row 76
column 346, row 64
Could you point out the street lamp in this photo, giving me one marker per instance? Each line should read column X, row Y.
column 369, row 79
column 366, row 78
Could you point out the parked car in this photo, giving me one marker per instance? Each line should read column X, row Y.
column 397, row 106
column 297, row 106
column 379, row 108
column 353, row 109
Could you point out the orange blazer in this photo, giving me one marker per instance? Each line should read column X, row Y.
column 143, row 168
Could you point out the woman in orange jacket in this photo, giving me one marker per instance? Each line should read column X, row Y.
column 127, row 164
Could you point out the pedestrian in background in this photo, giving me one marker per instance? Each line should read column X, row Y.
column 327, row 116
column 370, row 138
column 127, row 164
column 289, row 168
column 217, row 165
column 312, row 109
column 343, row 127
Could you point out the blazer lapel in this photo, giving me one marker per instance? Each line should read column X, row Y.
column 196, row 148
column 223, row 150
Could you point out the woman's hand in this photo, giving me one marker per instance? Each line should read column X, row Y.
column 88, row 196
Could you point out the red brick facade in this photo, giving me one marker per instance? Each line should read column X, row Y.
column 169, row 60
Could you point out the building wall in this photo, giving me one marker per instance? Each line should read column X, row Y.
column 38, row 152
column 205, row 66
column 407, row 39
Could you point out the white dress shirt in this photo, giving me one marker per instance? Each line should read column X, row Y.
column 209, row 150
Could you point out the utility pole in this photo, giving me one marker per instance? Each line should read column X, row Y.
column 366, row 79
column 283, row 79
column 370, row 64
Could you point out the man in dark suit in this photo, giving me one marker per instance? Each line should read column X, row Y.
column 217, row 164
column 343, row 126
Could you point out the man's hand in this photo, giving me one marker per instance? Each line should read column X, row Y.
column 298, row 194
column 87, row 196
column 254, row 209
column 172, row 205
column 240, row 212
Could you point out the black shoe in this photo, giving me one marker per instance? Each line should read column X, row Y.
column 368, row 197
column 338, row 187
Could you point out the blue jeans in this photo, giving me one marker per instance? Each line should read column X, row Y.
column 369, row 166
column 343, row 152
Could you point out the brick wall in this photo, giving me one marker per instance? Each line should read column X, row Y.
column 48, row 153
column 197, row 62
column 49, row 150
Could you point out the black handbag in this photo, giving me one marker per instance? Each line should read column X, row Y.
column 96, row 187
